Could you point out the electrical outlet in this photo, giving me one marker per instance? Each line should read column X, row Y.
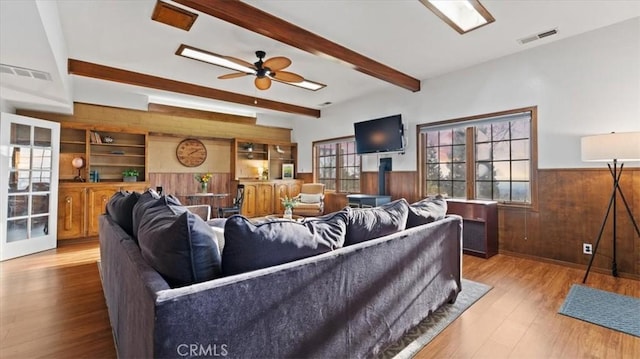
column 586, row 248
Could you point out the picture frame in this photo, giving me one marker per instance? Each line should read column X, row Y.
column 287, row 171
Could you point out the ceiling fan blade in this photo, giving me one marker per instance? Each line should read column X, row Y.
column 240, row 62
column 288, row 76
column 232, row 76
column 276, row 64
column 262, row 83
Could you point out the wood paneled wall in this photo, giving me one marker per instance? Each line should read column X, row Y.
column 572, row 206
column 182, row 184
column 169, row 123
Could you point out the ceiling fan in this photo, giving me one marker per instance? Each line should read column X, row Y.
column 265, row 70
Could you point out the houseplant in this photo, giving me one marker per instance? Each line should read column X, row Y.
column 203, row 179
column 289, row 203
column 130, row 175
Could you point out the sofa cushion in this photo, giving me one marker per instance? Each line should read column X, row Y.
column 146, row 199
column 310, row 198
column 426, row 211
column 250, row 246
column 369, row 223
column 120, row 208
column 178, row 244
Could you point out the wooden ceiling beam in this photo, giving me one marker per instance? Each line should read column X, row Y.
column 256, row 20
column 88, row 69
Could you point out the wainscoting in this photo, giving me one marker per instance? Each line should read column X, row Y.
column 182, row 184
column 572, row 205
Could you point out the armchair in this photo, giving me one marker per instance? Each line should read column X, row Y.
column 310, row 200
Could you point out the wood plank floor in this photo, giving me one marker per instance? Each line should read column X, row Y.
column 52, row 306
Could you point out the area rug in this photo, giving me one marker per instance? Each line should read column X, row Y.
column 418, row 337
column 610, row 310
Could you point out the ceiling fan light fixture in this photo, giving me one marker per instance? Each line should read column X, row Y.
column 462, row 15
column 210, row 57
column 262, row 83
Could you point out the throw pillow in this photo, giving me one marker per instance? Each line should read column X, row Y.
column 369, row 223
column 146, row 199
column 120, row 208
column 310, row 198
column 178, row 244
column 251, row 246
column 426, row 211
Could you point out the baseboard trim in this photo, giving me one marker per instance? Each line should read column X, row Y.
column 569, row 264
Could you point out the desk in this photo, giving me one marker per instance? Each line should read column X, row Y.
column 368, row 200
column 192, row 198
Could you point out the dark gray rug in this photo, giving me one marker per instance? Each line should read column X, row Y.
column 610, row 310
column 429, row 328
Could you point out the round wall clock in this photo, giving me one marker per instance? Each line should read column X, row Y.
column 191, row 152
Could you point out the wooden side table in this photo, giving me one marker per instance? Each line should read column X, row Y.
column 480, row 225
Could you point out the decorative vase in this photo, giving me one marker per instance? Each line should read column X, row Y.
column 203, row 187
column 288, row 213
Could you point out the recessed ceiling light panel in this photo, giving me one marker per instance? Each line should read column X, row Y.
column 462, row 15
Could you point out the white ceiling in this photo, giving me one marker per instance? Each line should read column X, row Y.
column 404, row 35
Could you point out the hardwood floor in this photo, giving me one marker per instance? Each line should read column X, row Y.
column 52, row 306
column 518, row 318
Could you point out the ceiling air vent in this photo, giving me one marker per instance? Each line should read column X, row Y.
column 528, row 39
column 24, row 72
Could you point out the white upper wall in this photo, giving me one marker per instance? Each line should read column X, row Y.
column 587, row 84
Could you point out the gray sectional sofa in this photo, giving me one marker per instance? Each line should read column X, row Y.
column 349, row 302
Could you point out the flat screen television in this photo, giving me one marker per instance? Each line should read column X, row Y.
column 384, row 134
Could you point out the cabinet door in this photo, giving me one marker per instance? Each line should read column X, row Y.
column 71, row 213
column 249, row 204
column 281, row 190
column 264, row 200
column 97, row 204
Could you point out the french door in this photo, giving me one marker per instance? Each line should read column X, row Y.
column 29, row 150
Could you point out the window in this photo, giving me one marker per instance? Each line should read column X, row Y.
column 487, row 157
column 337, row 165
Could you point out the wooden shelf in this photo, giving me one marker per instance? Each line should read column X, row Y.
column 266, row 155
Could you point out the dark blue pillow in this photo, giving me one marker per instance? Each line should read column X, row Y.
column 369, row 223
column 146, row 199
column 120, row 208
column 178, row 244
column 250, row 246
column 426, row 211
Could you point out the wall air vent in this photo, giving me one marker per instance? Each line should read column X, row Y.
column 528, row 39
column 24, row 72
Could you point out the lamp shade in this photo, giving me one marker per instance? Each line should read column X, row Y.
column 77, row 162
column 623, row 146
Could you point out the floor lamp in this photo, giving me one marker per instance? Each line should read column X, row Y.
column 616, row 148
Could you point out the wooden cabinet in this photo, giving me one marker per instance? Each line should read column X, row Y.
column 262, row 198
column 259, row 160
column 480, row 226
column 81, row 204
column 84, row 193
column 282, row 188
column 258, row 199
